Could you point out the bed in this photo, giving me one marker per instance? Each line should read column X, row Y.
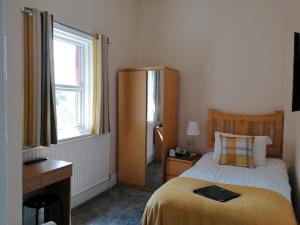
column 265, row 191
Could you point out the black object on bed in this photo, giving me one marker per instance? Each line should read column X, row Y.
column 216, row 193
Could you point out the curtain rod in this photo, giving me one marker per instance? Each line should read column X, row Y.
column 28, row 12
column 68, row 26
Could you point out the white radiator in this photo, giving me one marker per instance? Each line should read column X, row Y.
column 90, row 158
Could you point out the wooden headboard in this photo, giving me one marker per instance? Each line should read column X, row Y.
column 269, row 125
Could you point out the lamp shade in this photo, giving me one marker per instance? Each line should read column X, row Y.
column 193, row 128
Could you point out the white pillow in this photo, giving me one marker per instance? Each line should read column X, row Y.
column 259, row 147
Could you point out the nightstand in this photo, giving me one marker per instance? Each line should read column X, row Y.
column 177, row 165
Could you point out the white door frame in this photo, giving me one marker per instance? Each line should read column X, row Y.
column 10, row 113
column 3, row 142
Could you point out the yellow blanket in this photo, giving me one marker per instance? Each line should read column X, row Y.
column 176, row 204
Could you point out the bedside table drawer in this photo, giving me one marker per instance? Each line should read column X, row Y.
column 169, row 177
column 176, row 168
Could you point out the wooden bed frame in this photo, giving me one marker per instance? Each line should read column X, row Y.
column 269, row 125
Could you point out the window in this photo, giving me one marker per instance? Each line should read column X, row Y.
column 151, row 96
column 73, row 81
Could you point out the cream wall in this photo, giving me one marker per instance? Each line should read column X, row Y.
column 117, row 19
column 230, row 54
column 114, row 18
column 13, row 106
column 223, row 49
column 236, row 56
column 296, row 168
column 292, row 120
column 3, row 186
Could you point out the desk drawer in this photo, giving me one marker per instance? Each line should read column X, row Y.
column 56, row 175
column 31, row 184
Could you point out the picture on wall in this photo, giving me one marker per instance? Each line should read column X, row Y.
column 296, row 81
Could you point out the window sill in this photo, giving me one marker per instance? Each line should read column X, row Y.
column 72, row 133
column 82, row 136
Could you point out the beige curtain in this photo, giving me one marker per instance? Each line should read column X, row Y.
column 39, row 127
column 100, row 113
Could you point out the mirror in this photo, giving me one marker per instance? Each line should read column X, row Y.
column 154, row 178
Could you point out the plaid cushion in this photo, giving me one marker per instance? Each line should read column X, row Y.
column 237, row 151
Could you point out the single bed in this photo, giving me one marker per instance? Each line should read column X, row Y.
column 273, row 176
column 265, row 191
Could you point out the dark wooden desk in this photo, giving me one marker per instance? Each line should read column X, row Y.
column 51, row 176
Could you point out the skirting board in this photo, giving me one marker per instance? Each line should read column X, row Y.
column 93, row 191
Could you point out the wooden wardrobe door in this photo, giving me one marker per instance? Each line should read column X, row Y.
column 170, row 112
column 132, row 127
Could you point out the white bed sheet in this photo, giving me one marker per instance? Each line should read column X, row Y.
column 272, row 176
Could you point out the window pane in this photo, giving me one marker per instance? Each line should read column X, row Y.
column 73, row 64
column 66, row 63
column 151, row 96
column 67, row 109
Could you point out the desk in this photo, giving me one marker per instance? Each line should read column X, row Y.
column 51, row 176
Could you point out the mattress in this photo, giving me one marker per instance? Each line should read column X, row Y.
column 273, row 176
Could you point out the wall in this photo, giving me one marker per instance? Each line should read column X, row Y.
column 13, row 106
column 3, row 187
column 296, row 170
column 236, row 56
column 294, row 144
column 116, row 19
column 230, row 54
column 223, row 49
column 292, row 119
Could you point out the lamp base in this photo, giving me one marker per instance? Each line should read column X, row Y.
column 190, row 143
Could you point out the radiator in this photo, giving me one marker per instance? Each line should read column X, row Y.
column 90, row 158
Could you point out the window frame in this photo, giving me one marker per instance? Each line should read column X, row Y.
column 84, row 89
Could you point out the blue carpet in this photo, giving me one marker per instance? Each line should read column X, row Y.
column 154, row 176
column 120, row 206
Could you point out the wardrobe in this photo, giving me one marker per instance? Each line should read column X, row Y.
column 147, row 124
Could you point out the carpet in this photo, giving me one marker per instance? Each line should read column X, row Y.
column 120, row 206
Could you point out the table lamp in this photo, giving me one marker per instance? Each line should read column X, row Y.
column 192, row 131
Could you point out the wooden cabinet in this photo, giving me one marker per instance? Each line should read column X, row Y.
column 133, row 119
column 176, row 166
column 132, row 127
